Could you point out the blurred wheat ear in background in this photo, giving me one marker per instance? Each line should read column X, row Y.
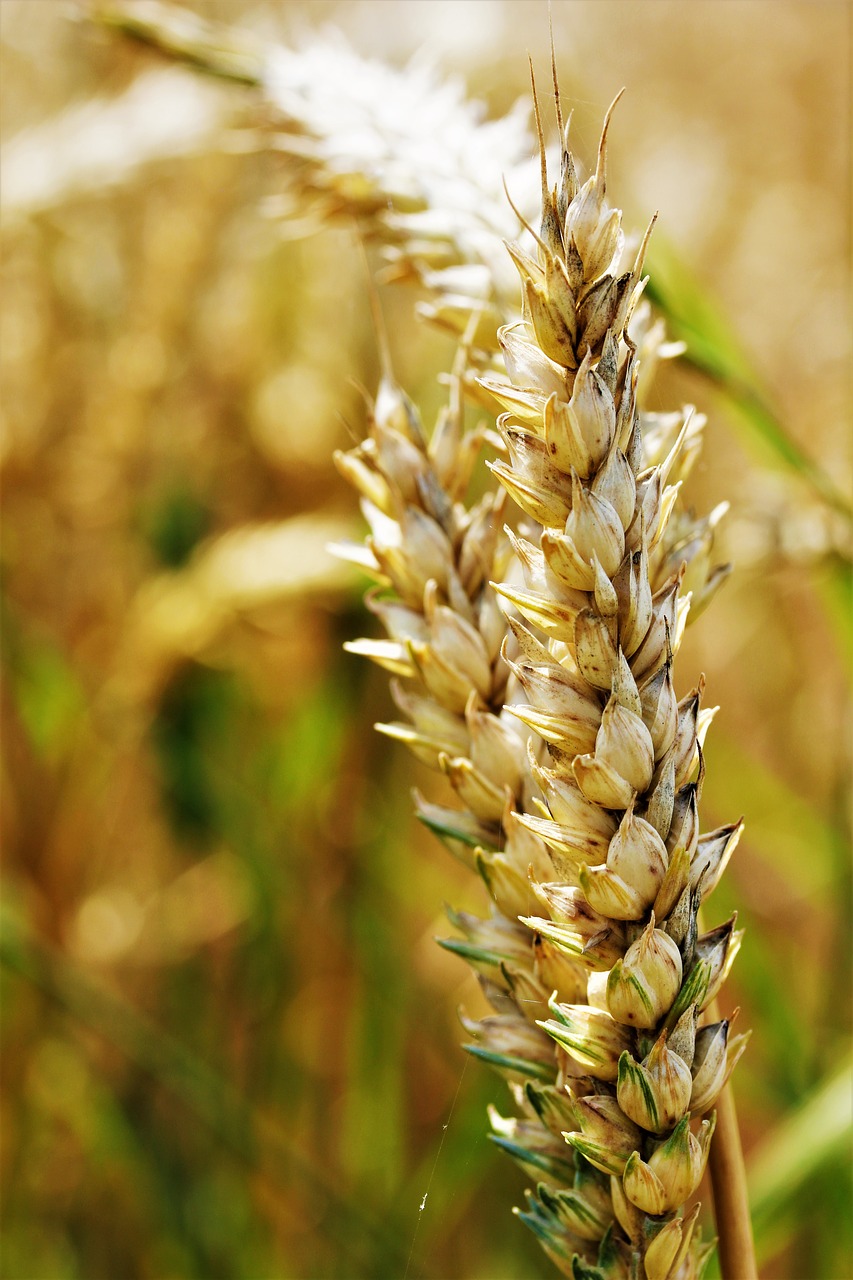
column 231, row 1042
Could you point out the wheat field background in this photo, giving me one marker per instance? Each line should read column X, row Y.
column 231, row 1044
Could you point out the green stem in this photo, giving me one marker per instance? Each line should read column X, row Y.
column 259, row 1141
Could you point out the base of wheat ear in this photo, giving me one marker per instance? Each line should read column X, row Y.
column 534, row 668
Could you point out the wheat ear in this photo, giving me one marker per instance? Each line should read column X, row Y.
column 618, row 943
column 626, row 765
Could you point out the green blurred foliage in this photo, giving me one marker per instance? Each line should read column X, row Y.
column 231, row 1046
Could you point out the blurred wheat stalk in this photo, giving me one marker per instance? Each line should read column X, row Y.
column 360, row 143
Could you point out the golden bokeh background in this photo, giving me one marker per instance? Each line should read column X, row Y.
column 231, row 1044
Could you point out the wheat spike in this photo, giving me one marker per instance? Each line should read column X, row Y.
column 599, row 817
column 606, row 583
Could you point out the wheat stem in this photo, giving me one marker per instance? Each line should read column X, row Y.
column 182, row 35
column 726, row 1166
column 731, row 1203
